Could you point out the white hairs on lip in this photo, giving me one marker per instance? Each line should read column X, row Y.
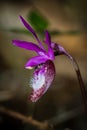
column 37, row 82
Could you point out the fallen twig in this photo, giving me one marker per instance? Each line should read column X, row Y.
column 41, row 125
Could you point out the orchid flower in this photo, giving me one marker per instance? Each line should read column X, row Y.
column 44, row 72
column 44, row 67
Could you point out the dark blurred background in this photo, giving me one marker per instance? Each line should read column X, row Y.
column 62, row 105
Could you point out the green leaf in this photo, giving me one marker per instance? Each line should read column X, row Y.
column 38, row 21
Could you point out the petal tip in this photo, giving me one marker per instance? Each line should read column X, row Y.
column 28, row 67
column 20, row 17
column 13, row 42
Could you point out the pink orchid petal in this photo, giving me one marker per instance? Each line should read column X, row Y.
column 28, row 46
column 34, row 61
column 31, row 30
column 48, row 42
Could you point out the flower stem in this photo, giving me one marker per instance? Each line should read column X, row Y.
column 59, row 50
column 81, row 83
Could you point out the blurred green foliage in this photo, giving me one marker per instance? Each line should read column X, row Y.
column 20, row 30
column 40, row 23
